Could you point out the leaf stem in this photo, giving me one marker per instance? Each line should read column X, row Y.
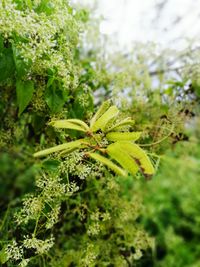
column 161, row 140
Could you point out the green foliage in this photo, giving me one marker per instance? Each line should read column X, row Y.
column 171, row 204
column 78, row 206
column 63, row 210
column 40, row 50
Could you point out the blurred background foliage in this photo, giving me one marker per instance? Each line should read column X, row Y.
column 53, row 65
column 171, row 202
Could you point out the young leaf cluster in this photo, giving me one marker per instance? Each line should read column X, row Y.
column 119, row 146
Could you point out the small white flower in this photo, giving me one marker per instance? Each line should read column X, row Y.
column 14, row 251
column 41, row 246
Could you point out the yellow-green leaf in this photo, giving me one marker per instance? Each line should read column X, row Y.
column 121, row 124
column 105, row 118
column 65, row 124
column 140, row 157
column 125, row 160
column 66, row 146
column 80, row 123
column 108, row 163
column 119, row 136
column 100, row 112
column 83, row 143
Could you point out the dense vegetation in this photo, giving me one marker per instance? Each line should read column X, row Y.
column 84, row 208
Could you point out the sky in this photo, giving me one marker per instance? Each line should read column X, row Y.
column 127, row 21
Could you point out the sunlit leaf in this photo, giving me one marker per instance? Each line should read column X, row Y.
column 118, row 154
column 105, row 118
column 103, row 108
column 108, row 163
column 65, row 146
column 120, row 125
column 118, row 136
column 140, row 157
column 80, row 123
column 66, row 124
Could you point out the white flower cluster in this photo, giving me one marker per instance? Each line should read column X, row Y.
column 105, row 216
column 104, row 142
column 53, row 217
column 90, row 256
column 141, row 241
column 138, row 254
column 83, row 100
column 41, row 246
column 97, row 221
column 14, row 251
column 93, row 229
column 44, row 40
column 38, row 101
column 71, row 188
column 112, row 185
column 32, row 206
column 74, row 164
column 83, row 171
column 53, row 192
column 71, row 161
column 51, row 186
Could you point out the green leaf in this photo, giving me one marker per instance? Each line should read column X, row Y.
column 103, row 108
column 66, row 146
column 38, row 123
column 3, row 255
column 80, row 123
column 45, row 6
column 55, row 97
column 120, row 155
column 108, row 163
column 50, row 81
column 51, row 164
column 83, row 103
column 139, row 155
column 25, row 91
column 29, row 4
column 65, row 124
column 101, row 123
column 119, row 136
column 196, row 86
column 121, row 124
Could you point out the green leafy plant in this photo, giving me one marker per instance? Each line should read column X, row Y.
column 105, row 136
column 71, row 209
